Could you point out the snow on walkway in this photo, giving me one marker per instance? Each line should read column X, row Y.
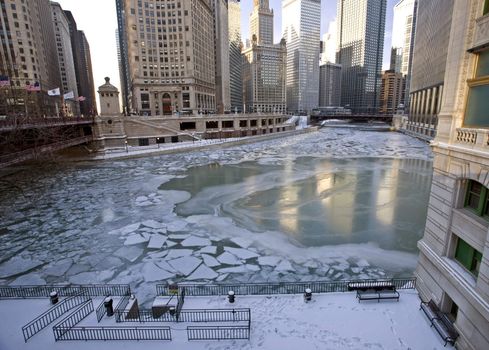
column 331, row 321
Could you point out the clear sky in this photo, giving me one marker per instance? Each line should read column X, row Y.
column 97, row 18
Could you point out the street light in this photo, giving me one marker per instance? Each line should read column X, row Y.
column 127, row 150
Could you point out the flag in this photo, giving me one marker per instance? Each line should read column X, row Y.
column 54, row 92
column 82, row 98
column 69, row 95
column 33, row 87
column 4, row 81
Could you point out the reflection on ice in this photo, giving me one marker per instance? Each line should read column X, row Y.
column 329, row 205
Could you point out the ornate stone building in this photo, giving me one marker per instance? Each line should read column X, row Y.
column 171, row 56
column 453, row 268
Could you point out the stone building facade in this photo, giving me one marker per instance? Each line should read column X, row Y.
column 171, row 56
column 453, row 268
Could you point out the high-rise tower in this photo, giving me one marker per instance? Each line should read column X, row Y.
column 261, row 22
column 234, row 30
column 301, row 22
column 361, row 25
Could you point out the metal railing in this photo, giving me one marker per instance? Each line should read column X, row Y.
column 218, row 332
column 203, row 315
column 70, row 321
column 121, row 307
column 43, row 320
column 282, row 288
column 43, row 291
column 116, row 333
column 181, row 300
column 101, row 311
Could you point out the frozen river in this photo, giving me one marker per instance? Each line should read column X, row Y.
column 334, row 204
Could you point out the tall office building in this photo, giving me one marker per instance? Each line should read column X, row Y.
column 392, row 91
column 28, row 56
column 403, row 33
column 433, row 23
column 65, row 60
column 328, row 44
column 171, row 58
column 264, row 66
column 221, row 49
column 453, row 266
column 360, row 42
column 261, row 22
column 329, row 85
column 83, row 67
column 234, row 30
column 301, row 22
column 122, row 55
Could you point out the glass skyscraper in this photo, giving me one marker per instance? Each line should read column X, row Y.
column 301, row 22
column 361, row 25
column 234, row 29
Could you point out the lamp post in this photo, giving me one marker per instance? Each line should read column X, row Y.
column 127, row 149
column 158, row 142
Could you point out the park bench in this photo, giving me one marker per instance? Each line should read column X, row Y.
column 378, row 293
column 440, row 321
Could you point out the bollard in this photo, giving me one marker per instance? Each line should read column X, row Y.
column 172, row 310
column 307, row 295
column 53, row 296
column 108, row 307
column 231, row 296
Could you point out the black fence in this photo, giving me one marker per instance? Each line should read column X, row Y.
column 92, row 290
column 70, row 321
column 116, row 333
column 120, row 307
column 181, row 301
column 43, row 320
column 218, row 332
column 100, row 311
column 282, row 288
column 203, row 315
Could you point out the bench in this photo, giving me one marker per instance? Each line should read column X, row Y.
column 366, row 285
column 440, row 322
column 377, row 294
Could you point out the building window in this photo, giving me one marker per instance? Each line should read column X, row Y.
column 143, row 142
column 477, row 198
column 468, row 256
column 477, row 112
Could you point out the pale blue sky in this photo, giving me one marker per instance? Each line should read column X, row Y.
column 97, row 18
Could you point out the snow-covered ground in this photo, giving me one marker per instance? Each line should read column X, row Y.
column 330, row 321
column 110, row 222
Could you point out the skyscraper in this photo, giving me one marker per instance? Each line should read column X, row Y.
column 301, row 21
column 329, row 85
column 403, row 32
column 434, row 20
column 328, row 53
column 65, row 60
column 261, row 22
column 392, row 91
column 264, row 65
column 221, row 49
column 171, row 56
column 126, row 88
column 28, row 56
column 83, row 67
column 234, row 30
column 361, row 25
